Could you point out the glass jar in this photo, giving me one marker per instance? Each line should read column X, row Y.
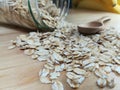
column 33, row 14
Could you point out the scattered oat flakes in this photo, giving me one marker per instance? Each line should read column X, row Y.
column 75, row 54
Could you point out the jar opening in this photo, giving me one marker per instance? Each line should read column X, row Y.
column 50, row 13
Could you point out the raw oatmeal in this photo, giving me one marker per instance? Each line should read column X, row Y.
column 66, row 50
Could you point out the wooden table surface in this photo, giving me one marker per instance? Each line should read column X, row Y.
column 20, row 72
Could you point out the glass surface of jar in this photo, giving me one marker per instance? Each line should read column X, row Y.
column 33, row 14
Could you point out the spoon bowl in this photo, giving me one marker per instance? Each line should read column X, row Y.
column 94, row 26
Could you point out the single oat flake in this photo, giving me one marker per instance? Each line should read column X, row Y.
column 57, row 85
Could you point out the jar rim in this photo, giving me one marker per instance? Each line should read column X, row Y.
column 38, row 25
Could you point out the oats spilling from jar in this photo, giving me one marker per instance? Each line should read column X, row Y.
column 17, row 12
column 78, row 55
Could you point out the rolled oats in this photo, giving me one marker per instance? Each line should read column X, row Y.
column 117, row 69
column 111, row 82
column 34, row 56
column 107, row 69
column 79, row 71
column 77, row 55
column 45, row 80
column 44, row 72
column 57, row 85
column 59, row 68
column 29, row 52
column 54, row 75
column 72, row 84
column 70, row 75
column 79, row 80
column 101, row 82
column 17, row 12
column 49, row 66
column 42, row 58
column 11, row 47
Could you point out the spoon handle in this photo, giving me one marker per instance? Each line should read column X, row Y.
column 104, row 19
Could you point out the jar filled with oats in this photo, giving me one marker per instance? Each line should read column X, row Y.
column 33, row 14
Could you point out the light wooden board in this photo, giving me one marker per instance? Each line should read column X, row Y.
column 20, row 72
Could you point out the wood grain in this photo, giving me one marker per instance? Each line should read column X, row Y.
column 20, row 72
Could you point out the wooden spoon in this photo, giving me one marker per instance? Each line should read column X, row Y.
column 94, row 26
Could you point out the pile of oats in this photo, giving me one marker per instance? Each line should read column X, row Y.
column 64, row 49
column 78, row 55
column 17, row 12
